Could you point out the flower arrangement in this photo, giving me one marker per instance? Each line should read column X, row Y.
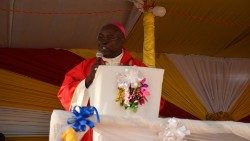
column 132, row 89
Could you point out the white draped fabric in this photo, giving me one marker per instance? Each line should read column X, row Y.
column 23, row 122
column 218, row 82
column 137, row 129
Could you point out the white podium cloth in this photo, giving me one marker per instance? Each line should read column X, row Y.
column 114, row 128
column 104, row 92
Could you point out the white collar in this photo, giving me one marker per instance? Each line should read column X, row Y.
column 113, row 61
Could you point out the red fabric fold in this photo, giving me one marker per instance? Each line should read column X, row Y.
column 245, row 119
column 48, row 65
column 170, row 110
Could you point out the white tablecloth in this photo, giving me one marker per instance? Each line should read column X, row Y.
column 114, row 128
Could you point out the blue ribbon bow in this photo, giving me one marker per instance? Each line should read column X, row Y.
column 80, row 118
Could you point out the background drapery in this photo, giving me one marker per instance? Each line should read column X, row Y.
column 241, row 108
column 20, row 91
column 25, row 106
column 48, row 65
column 217, row 82
column 19, row 121
column 30, row 79
column 177, row 91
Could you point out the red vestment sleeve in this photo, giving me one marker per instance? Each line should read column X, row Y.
column 71, row 80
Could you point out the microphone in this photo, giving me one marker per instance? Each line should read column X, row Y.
column 99, row 56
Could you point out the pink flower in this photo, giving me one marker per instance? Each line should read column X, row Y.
column 143, row 81
column 144, row 91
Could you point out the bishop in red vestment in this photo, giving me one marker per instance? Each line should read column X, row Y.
column 110, row 44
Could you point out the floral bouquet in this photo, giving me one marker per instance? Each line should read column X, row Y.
column 132, row 89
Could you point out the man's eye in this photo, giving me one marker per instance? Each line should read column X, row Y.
column 110, row 37
column 100, row 37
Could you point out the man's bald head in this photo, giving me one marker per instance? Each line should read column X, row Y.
column 110, row 40
column 116, row 26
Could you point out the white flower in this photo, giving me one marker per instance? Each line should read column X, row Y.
column 130, row 77
column 173, row 131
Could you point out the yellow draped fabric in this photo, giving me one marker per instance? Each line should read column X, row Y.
column 177, row 91
column 241, row 108
column 24, row 92
column 85, row 53
column 149, row 39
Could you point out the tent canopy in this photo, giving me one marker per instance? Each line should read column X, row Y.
column 214, row 28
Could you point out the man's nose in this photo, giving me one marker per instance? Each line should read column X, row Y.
column 104, row 41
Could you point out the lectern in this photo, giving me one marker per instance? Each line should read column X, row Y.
column 103, row 93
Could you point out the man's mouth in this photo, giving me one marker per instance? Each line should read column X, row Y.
column 104, row 49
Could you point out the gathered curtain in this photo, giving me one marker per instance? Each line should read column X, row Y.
column 241, row 108
column 217, row 82
column 47, row 65
column 18, row 122
column 26, row 105
column 21, row 91
column 177, row 91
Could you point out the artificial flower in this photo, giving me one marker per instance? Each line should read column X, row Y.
column 132, row 89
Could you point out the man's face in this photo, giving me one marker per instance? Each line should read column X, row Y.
column 110, row 41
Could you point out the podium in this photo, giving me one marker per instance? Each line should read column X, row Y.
column 104, row 90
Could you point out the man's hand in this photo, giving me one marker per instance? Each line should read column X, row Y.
column 90, row 78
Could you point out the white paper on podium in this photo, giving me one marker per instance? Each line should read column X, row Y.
column 104, row 92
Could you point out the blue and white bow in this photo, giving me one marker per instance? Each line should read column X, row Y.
column 81, row 118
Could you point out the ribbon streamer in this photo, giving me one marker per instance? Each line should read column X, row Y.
column 80, row 118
